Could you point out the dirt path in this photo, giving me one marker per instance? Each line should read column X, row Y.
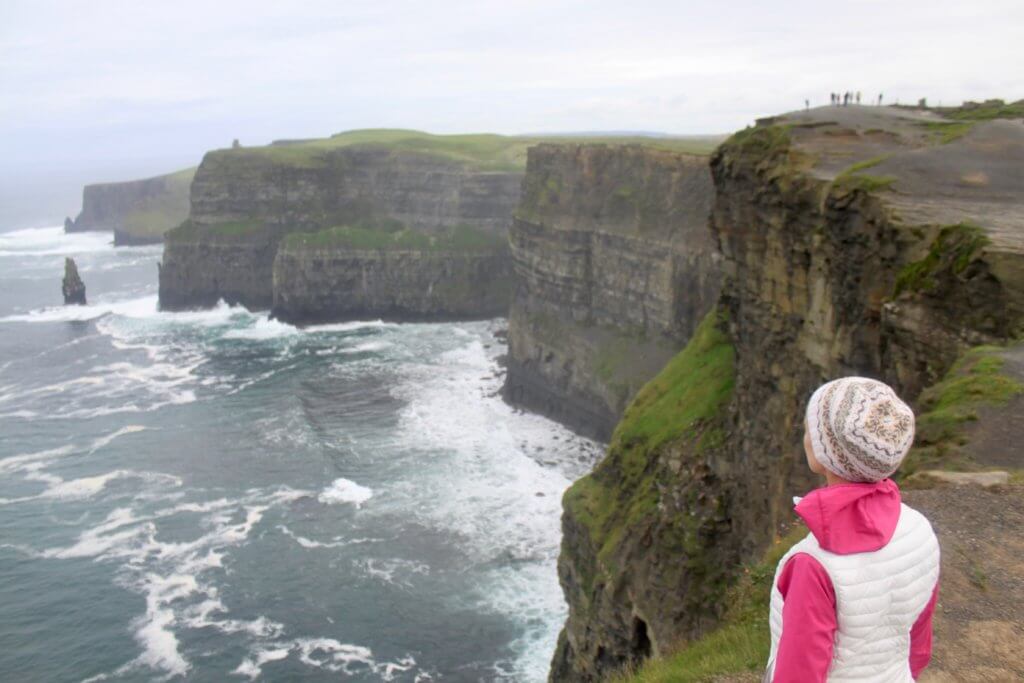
column 979, row 621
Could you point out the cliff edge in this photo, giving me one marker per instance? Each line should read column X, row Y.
column 878, row 241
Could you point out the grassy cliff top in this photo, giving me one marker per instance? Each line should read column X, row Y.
column 485, row 151
column 462, row 238
column 158, row 213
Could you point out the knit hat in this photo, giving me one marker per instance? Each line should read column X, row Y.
column 860, row 429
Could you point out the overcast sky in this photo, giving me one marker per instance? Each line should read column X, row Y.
column 142, row 84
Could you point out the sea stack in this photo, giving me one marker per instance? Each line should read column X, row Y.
column 73, row 287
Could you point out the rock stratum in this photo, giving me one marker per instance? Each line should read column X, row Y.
column 614, row 270
column 369, row 223
column 137, row 211
column 458, row 275
column 876, row 241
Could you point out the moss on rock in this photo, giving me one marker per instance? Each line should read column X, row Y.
column 975, row 381
column 741, row 643
column 680, row 404
column 950, row 253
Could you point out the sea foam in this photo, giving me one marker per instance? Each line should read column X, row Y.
column 344, row 490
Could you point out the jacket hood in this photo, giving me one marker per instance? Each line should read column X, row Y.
column 852, row 518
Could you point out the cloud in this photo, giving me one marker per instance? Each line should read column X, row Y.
column 130, row 79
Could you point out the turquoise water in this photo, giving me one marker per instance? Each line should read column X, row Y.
column 216, row 496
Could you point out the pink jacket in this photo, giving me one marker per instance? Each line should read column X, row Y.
column 845, row 519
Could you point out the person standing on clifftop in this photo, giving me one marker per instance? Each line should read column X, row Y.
column 853, row 601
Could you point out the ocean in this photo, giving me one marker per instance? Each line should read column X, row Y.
column 215, row 496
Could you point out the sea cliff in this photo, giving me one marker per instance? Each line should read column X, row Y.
column 461, row 274
column 137, row 211
column 872, row 241
column 245, row 201
column 614, row 269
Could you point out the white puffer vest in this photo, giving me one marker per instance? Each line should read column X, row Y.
column 879, row 596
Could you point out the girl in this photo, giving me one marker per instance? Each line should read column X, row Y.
column 853, row 601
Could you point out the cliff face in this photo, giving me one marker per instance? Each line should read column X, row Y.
column 828, row 272
column 614, row 270
column 199, row 267
column 244, row 201
column 316, row 283
column 137, row 211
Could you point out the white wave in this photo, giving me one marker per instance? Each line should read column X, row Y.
column 153, row 630
column 263, row 329
column 172, row 575
column 253, row 667
column 496, row 480
column 122, row 387
column 307, row 542
column 395, row 572
column 53, row 241
column 137, row 307
column 337, row 542
column 202, row 616
column 33, row 461
column 88, row 487
column 325, row 653
column 349, row 326
column 105, row 441
column 344, row 490
column 367, row 347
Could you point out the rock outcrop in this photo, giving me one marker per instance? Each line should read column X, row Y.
column 872, row 241
column 137, row 211
column 246, row 200
column 72, row 286
column 614, row 269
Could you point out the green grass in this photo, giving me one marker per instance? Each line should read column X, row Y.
column 985, row 111
column 948, row 131
column 864, row 165
column 689, row 390
column 158, row 213
column 483, row 151
column 975, row 381
column 740, row 644
column 966, row 116
column 761, row 140
column 950, row 252
column 683, row 402
column 864, row 183
column 853, row 178
column 397, row 238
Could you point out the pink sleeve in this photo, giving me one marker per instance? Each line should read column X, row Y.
column 808, row 622
column 921, row 637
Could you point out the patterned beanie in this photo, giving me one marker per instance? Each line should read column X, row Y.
column 860, row 429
